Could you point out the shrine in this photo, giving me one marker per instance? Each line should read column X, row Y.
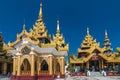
column 94, row 58
column 36, row 56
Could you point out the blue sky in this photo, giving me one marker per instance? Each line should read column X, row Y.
column 74, row 15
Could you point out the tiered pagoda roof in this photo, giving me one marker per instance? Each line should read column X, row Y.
column 90, row 46
column 59, row 39
column 39, row 29
column 107, row 44
column 88, row 43
column 38, row 35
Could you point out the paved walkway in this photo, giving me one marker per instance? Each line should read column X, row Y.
column 96, row 74
column 94, row 78
column 3, row 77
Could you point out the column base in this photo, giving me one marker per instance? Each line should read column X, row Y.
column 45, row 77
column 61, row 76
column 36, row 77
column 23, row 77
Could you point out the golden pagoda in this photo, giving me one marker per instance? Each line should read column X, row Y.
column 60, row 40
column 35, row 54
column 91, row 57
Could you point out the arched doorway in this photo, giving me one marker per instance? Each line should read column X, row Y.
column 57, row 67
column 44, row 66
column 25, row 65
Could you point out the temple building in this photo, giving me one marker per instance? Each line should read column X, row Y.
column 92, row 57
column 5, row 58
column 36, row 54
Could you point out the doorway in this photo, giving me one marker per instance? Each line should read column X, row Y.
column 94, row 65
column 0, row 68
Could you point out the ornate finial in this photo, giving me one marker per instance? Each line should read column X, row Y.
column 106, row 33
column 88, row 31
column 58, row 26
column 24, row 26
column 40, row 13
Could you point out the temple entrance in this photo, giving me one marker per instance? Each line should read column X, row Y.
column 58, row 67
column 94, row 65
column 26, row 65
column 94, row 61
column 44, row 66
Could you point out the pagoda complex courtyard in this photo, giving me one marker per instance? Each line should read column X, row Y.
column 34, row 55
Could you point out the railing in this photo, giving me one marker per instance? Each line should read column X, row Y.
column 25, row 72
column 43, row 72
column 57, row 72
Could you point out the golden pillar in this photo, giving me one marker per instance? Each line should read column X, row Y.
column 74, row 65
column 87, row 65
column 4, row 68
column 32, row 65
column 50, row 65
column 99, row 64
column 113, row 65
column 55, row 64
column 82, row 65
column 108, row 64
column 18, row 65
column 38, row 66
column 14, row 65
column 102, row 64
column 63, row 65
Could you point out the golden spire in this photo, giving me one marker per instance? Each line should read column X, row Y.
column 88, row 31
column 40, row 13
column 58, row 26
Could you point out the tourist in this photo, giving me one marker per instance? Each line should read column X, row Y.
column 88, row 73
column 8, row 75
